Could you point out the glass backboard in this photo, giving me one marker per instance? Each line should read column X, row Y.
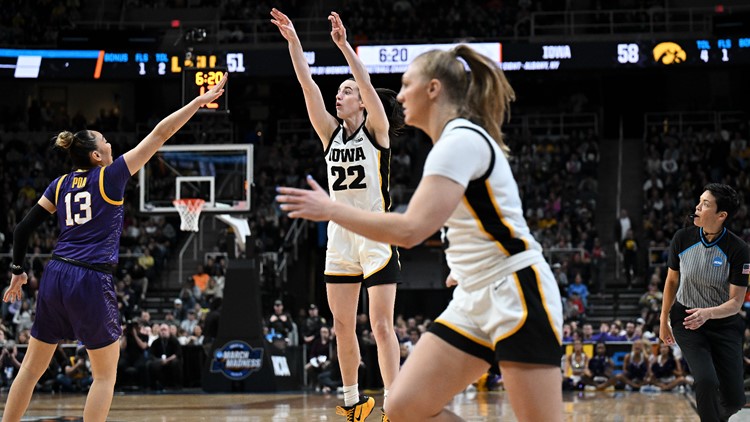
column 221, row 175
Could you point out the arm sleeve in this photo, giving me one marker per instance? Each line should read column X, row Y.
column 461, row 156
column 23, row 231
column 51, row 190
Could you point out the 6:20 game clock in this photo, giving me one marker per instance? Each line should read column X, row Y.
column 196, row 81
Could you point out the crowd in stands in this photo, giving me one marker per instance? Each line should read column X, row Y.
column 678, row 165
column 647, row 368
column 315, row 334
column 557, row 179
column 36, row 22
column 597, row 359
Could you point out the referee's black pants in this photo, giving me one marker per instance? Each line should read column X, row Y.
column 714, row 355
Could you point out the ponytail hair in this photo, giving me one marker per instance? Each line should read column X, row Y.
column 393, row 109
column 482, row 95
column 78, row 145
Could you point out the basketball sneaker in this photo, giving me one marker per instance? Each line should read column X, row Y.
column 383, row 416
column 359, row 412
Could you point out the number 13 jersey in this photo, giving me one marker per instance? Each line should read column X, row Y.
column 90, row 212
column 358, row 170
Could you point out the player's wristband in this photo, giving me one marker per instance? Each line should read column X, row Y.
column 16, row 269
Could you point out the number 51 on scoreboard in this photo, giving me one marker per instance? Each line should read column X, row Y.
column 196, row 81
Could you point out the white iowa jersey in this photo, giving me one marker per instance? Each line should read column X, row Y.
column 358, row 170
column 487, row 232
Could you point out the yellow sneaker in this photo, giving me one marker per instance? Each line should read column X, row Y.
column 482, row 382
column 359, row 412
column 383, row 417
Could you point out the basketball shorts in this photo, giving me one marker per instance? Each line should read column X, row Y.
column 76, row 303
column 351, row 258
column 517, row 318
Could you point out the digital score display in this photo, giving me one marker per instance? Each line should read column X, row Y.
column 626, row 55
column 393, row 59
column 196, row 81
column 109, row 65
column 580, row 55
column 688, row 52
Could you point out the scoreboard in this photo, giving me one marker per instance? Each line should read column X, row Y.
column 386, row 59
column 109, row 65
column 624, row 54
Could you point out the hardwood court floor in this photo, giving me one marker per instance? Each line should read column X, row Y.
column 299, row 407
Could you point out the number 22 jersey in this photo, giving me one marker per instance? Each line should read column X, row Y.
column 358, row 170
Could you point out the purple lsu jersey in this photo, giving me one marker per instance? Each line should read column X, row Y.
column 90, row 212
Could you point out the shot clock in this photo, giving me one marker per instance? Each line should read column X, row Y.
column 196, row 81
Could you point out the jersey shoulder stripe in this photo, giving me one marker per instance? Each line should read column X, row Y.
column 481, row 201
column 103, row 193
column 57, row 189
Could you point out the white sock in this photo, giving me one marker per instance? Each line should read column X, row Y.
column 351, row 395
column 385, row 396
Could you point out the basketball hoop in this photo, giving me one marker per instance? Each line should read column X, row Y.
column 189, row 209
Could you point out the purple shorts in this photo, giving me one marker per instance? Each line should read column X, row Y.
column 76, row 303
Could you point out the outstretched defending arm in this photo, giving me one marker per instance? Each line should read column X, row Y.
column 137, row 157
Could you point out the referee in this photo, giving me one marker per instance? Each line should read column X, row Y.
column 703, row 293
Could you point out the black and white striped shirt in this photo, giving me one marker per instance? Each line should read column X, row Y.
column 708, row 268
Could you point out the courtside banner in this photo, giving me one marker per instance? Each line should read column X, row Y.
column 237, row 360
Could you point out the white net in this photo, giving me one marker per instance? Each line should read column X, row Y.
column 190, row 210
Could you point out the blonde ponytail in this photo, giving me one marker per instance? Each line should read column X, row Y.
column 482, row 95
column 79, row 145
column 488, row 95
column 64, row 140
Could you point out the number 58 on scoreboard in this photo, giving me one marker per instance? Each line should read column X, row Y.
column 196, row 81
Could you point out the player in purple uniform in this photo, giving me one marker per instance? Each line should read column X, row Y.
column 76, row 294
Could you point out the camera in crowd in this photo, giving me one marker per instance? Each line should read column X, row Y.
column 8, row 346
column 132, row 323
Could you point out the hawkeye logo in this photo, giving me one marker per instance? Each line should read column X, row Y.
column 237, row 360
column 669, row 53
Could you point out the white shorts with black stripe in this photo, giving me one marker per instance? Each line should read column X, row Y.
column 352, row 258
column 517, row 318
